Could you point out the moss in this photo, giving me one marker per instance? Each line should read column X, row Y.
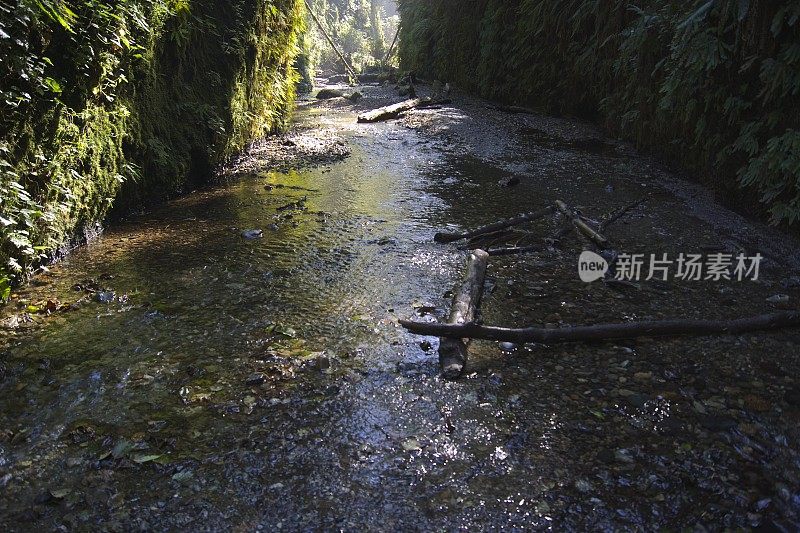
column 118, row 103
column 712, row 86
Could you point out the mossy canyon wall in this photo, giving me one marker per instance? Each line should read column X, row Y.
column 108, row 104
column 712, row 86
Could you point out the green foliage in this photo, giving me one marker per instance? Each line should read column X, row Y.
column 115, row 102
column 713, row 85
column 358, row 27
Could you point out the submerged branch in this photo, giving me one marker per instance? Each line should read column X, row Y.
column 602, row 332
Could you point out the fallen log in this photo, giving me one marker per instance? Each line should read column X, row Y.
column 515, row 110
column 581, row 227
column 604, row 332
column 443, row 237
column 466, row 301
column 392, row 111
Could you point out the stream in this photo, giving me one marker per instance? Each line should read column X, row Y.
column 176, row 374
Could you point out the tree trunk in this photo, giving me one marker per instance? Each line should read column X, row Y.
column 391, row 47
column 392, row 111
column 330, row 41
column 466, row 302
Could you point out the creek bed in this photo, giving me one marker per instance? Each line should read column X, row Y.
column 189, row 377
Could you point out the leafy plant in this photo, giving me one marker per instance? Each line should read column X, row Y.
column 111, row 103
column 712, row 85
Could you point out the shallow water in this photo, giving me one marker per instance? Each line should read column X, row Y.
column 204, row 380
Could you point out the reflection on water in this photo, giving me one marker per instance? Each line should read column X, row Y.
column 203, row 379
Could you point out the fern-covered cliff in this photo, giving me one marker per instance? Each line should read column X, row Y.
column 110, row 103
column 712, row 85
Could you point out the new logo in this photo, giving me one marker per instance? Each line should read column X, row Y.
column 591, row 266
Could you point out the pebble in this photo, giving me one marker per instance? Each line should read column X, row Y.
column 104, row 297
column 252, row 234
column 791, row 283
column 623, row 456
column 510, row 181
column 638, row 400
column 256, row 378
column 792, row 397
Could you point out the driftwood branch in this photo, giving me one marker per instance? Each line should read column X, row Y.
column 620, row 213
column 392, row 111
column 495, row 227
column 466, row 301
column 603, row 332
column 515, row 250
column 581, row 227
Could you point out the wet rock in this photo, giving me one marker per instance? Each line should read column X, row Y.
column 183, row 477
column 251, row 234
column 327, row 94
column 320, row 362
column 412, row 445
column 756, row 403
column 255, row 379
column 510, row 181
column 792, row 396
column 104, row 297
column 355, row 97
column 623, row 456
column 425, row 345
column 643, row 376
column 605, row 456
column 671, row 426
column 44, row 498
column 779, row 299
column 791, row 283
column 718, row 424
column 423, row 308
column 508, row 346
column 638, row 400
